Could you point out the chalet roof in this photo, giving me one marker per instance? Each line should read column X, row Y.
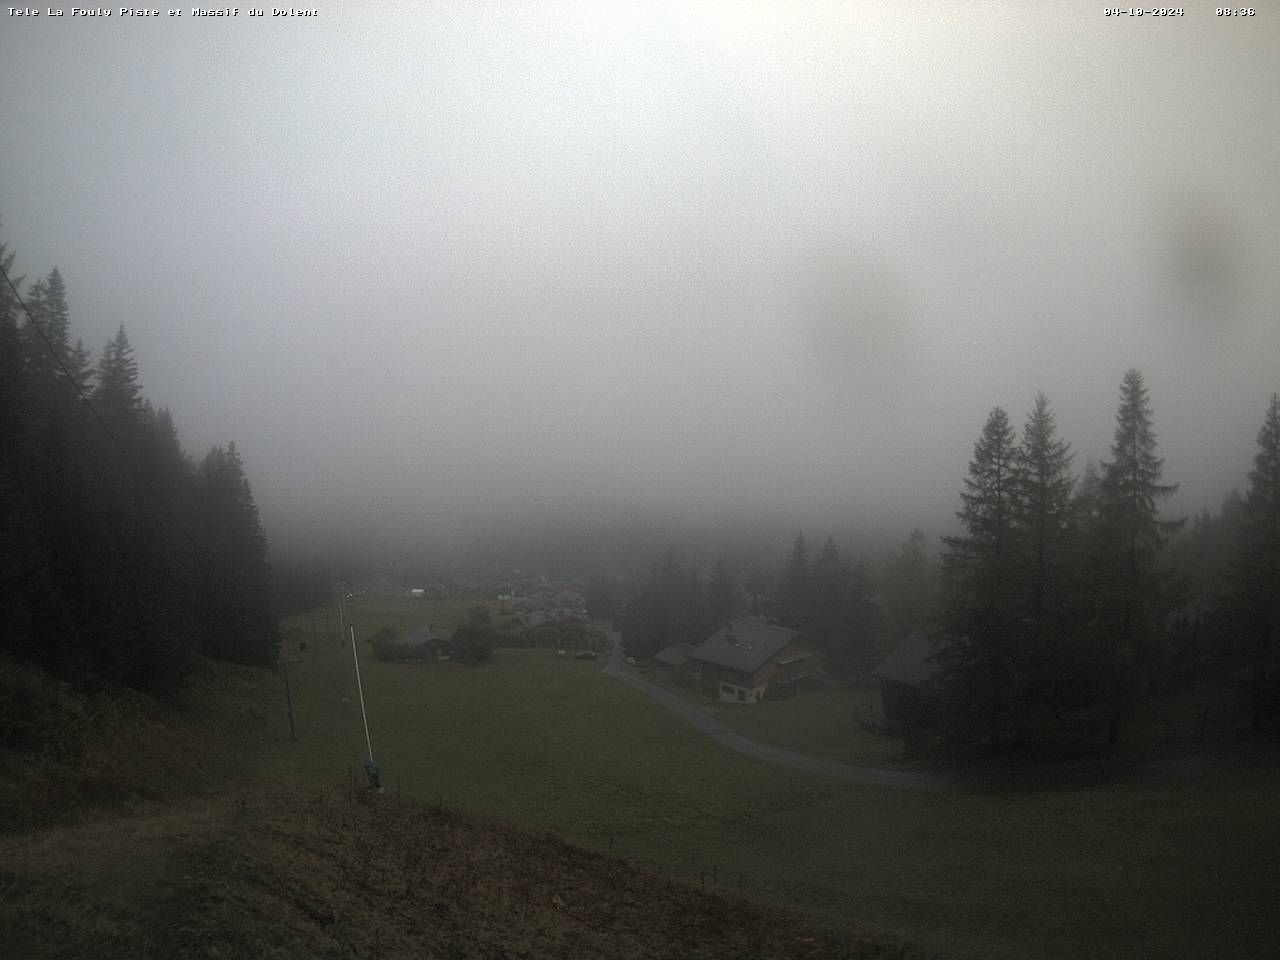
column 908, row 663
column 745, row 645
column 417, row 636
column 674, row 655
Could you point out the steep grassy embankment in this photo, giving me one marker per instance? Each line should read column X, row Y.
column 333, row 873
column 1180, row 866
column 141, row 829
column 67, row 754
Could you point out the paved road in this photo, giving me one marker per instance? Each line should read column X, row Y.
column 717, row 730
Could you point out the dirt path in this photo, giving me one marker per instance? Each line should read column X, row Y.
column 714, row 728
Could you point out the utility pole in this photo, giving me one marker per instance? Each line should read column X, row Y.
column 355, row 655
column 288, row 696
column 370, row 766
column 342, row 628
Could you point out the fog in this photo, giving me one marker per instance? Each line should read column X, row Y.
column 749, row 267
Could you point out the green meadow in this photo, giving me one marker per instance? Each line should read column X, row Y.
column 1185, row 868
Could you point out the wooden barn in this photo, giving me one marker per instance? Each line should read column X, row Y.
column 904, row 677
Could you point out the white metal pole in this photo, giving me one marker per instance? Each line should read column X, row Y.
column 342, row 620
column 363, row 716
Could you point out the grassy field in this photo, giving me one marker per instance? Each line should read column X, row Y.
column 336, row 873
column 1154, row 869
column 67, row 756
column 822, row 724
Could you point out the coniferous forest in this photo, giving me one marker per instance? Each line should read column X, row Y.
column 1066, row 604
column 121, row 557
column 1064, row 600
column 1068, row 600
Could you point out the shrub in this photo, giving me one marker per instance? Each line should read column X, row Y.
column 474, row 642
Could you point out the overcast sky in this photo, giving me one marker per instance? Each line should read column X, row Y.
column 432, row 259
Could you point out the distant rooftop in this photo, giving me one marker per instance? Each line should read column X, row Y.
column 417, row 635
column 909, row 662
column 674, row 655
column 745, row 645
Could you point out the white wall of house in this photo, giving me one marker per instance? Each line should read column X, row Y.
column 729, row 693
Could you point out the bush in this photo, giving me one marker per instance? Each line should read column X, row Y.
column 474, row 642
column 38, row 712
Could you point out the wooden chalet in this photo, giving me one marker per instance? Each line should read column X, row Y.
column 746, row 657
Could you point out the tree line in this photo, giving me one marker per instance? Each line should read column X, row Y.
column 851, row 610
column 1067, row 600
column 121, row 557
column 1065, row 604
column 674, row 603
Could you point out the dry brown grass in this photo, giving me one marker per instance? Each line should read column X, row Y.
column 337, row 873
column 76, row 755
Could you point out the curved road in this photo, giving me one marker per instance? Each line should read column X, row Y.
column 717, row 730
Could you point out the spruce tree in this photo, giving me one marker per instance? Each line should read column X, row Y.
column 1259, row 572
column 720, row 593
column 1047, row 660
column 978, row 653
column 14, row 412
column 1044, row 487
column 796, row 587
column 907, row 587
column 80, row 364
column 119, row 393
column 830, row 578
column 982, row 556
column 238, row 622
column 98, row 583
column 863, row 621
column 1132, row 537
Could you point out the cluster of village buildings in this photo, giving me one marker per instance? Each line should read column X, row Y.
column 544, row 614
column 536, row 612
column 747, row 660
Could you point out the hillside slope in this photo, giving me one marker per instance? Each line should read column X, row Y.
column 69, row 754
column 338, row 873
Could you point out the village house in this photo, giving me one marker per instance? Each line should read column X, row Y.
column 675, row 658
column 429, row 643
column 746, row 657
column 904, row 677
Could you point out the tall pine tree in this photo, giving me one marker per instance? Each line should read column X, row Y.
column 1132, row 537
column 1258, row 573
column 1044, row 487
column 1046, row 678
column 238, row 622
column 796, row 591
column 119, row 394
column 863, row 622
column 720, row 593
column 830, row 577
column 978, row 654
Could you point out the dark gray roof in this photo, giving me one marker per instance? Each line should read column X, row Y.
column 674, row 655
column 908, row 662
column 745, row 645
column 417, row 636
